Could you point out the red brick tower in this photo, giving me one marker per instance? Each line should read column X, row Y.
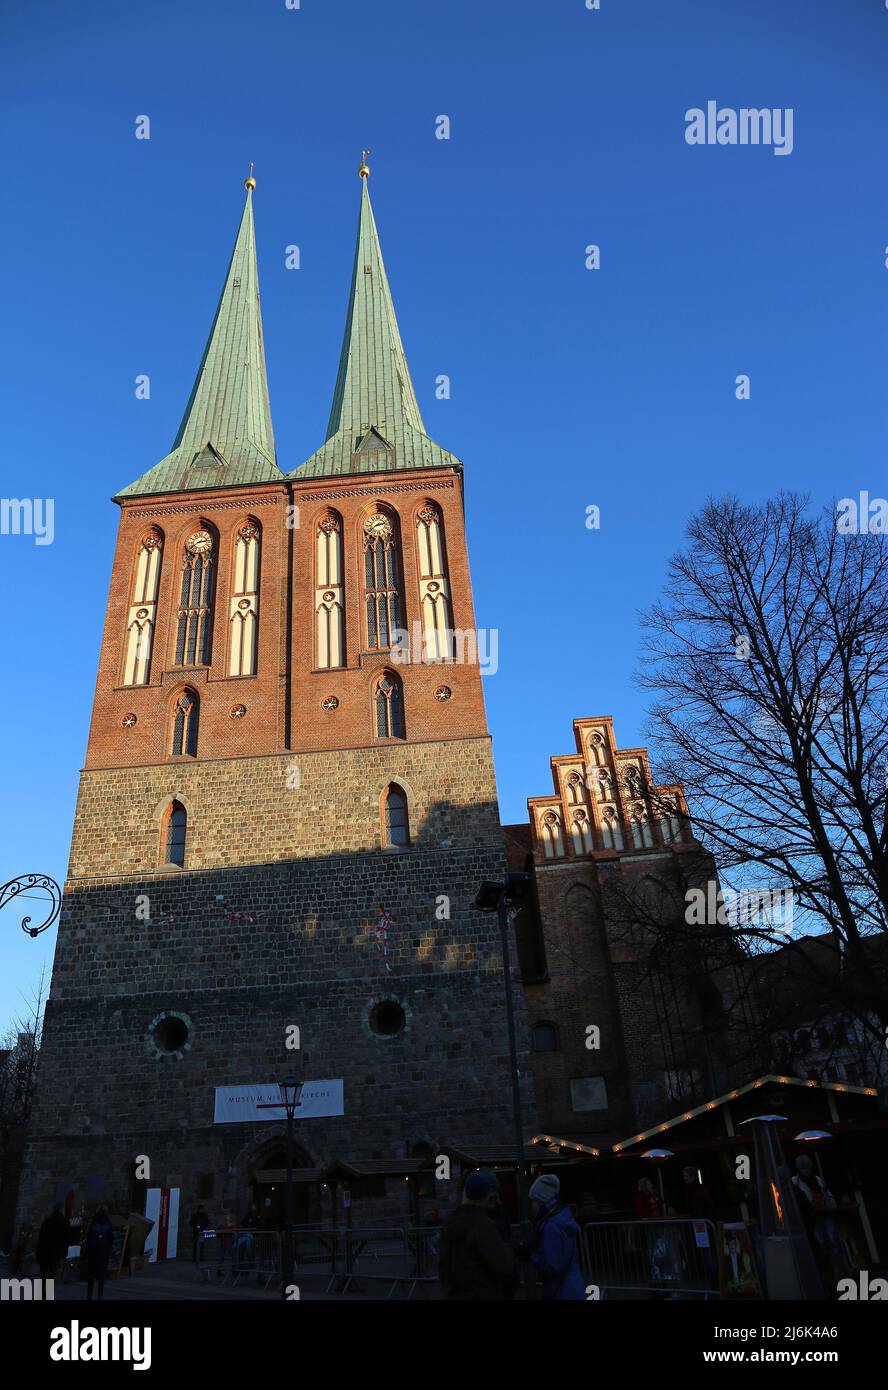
column 264, row 770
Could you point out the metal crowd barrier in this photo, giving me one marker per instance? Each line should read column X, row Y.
column 314, row 1250
column 215, row 1251
column 388, row 1255
column 257, row 1253
column 423, row 1244
column 676, row 1258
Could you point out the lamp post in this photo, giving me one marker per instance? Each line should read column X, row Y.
column 15, row 886
column 291, row 1092
column 504, row 899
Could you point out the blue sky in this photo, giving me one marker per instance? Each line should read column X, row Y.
column 570, row 387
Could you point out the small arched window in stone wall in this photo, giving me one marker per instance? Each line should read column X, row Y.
column 550, row 830
column 175, row 831
column 389, row 706
column 545, row 1037
column 396, row 823
column 143, row 610
column 186, row 714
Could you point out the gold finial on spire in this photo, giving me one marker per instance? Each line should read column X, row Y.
column 364, row 171
column 249, row 181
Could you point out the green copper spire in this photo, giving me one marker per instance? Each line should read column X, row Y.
column 225, row 437
column 375, row 421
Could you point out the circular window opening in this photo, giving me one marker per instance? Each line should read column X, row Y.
column 170, row 1034
column 387, row 1018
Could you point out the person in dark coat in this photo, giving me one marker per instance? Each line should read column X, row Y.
column 555, row 1250
column 697, row 1201
column 99, row 1238
column 474, row 1264
column 52, row 1243
column 199, row 1222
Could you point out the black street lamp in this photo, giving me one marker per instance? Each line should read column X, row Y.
column 20, row 885
column 291, row 1092
column 506, row 899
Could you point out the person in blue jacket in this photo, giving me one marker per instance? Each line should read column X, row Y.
column 555, row 1251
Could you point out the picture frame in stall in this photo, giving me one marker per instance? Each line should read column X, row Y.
column 738, row 1275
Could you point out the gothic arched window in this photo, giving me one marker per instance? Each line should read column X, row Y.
column 575, row 793
column 185, row 720
column 642, row 836
column 389, row 703
column 582, row 833
column 381, row 580
column 602, row 779
column 244, row 619
column 553, row 844
column 329, row 596
column 434, row 586
column 611, row 833
column 175, row 831
column 596, row 750
column 632, row 782
column 395, row 816
column 670, row 824
column 195, row 612
column 143, row 610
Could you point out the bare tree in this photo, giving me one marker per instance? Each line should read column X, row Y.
column 19, row 1049
column 768, row 654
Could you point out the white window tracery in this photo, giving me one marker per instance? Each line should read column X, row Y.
column 143, row 611
column 329, row 594
column 434, row 585
column 553, row 841
column 244, row 615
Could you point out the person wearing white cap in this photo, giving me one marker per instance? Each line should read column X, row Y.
column 555, row 1250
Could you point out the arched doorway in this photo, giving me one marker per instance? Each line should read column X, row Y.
column 267, row 1185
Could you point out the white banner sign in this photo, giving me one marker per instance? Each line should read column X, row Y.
column 237, row 1105
column 162, row 1207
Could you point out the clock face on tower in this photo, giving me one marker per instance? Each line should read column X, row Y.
column 377, row 525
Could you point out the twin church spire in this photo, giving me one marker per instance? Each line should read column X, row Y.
column 226, row 436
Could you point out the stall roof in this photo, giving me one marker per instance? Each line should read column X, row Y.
column 733, row 1095
column 503, row 1155
column 569, row 1147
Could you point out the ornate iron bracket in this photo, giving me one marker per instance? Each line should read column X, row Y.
column 15, row 886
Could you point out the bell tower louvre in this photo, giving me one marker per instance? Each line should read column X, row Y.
column 272, row 761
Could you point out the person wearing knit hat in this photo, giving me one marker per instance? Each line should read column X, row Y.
column 474, row 1263
column 555, row 1249
column 546, row 1190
